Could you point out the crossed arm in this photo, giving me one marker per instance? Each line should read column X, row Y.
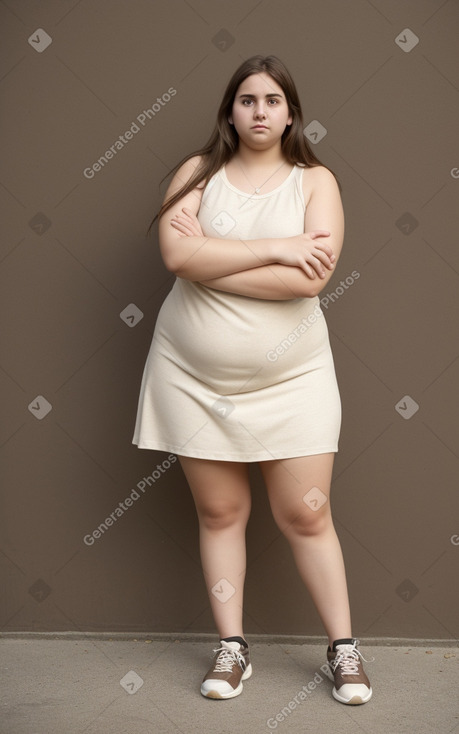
column 272, row 269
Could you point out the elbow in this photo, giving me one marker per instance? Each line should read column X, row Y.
column 306, row 287
column 171, row 261
column 176, row 261
column 169, row 247
column 310, row 288
column 172, row 266
column 315, row 287
column 311, row 291
column 178, row 269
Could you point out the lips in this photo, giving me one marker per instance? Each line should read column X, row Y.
column 259, row 127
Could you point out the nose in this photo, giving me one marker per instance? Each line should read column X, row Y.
column 259, row 110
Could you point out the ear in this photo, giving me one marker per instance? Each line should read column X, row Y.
column 230, row 120
column 290, row 120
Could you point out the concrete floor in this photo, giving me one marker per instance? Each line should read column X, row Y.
column 102, row 686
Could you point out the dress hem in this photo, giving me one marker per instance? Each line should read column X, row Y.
column 266, row 456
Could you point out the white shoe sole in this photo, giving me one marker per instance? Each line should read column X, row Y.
column 355, row 700
column 216, row 694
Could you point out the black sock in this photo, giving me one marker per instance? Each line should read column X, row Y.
column 235, row 639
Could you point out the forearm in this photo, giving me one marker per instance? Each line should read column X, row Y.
column 202, row 258
column 270, row 282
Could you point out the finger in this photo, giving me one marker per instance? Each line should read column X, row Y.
column 324, row 259
column 318, row 245
column 184, row 214
column 190, row 214
column 310, row 272
column 180, row 218
column 181, row 228
column 318, row 266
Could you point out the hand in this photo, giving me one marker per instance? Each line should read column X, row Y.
column 308, row 252
column 187, row 224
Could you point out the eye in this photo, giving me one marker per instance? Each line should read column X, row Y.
column 275, row 101
column 248, row 101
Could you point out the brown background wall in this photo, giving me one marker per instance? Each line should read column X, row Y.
column 75, row 259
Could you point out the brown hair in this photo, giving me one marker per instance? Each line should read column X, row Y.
column 224, row 139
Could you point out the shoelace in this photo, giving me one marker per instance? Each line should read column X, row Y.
column 349, row 661
column 226, row 660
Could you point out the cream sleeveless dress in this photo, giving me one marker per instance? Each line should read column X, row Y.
column 234, row 378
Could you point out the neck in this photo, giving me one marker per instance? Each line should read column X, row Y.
column 249, row 158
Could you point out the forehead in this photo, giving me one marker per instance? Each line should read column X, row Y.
column 259, row 85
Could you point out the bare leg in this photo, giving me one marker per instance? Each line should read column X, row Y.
column 306, row 522
column 221, row 493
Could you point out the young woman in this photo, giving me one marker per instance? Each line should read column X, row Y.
column 240, row 368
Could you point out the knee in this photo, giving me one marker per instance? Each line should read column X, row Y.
column 307, row 523
column 223, row 516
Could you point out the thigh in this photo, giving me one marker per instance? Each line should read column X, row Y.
column 218, row 487
column 299, row 489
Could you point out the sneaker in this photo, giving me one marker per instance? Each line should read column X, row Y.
column 345, row 662
column 231, row 666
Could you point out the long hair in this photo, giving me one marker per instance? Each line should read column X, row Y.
column 224, row 139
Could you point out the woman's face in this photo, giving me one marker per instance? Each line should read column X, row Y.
column 260, row 112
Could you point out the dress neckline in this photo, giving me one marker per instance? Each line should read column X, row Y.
column 254, row 195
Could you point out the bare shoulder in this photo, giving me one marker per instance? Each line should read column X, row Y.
column 318, row 178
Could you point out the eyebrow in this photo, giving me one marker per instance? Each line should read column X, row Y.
column 253, row 96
